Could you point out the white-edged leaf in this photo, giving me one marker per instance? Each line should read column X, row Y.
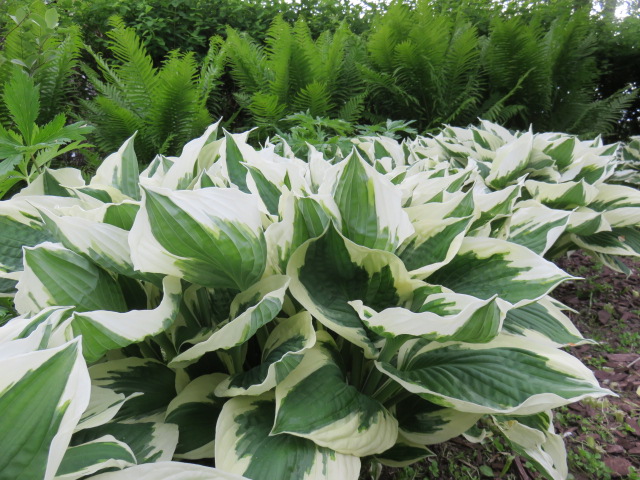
column 244, row 446
column 442, row 317
column 534, row 438
column 103, row 330
column 315, row 402
column 329, row 272
column 250, row 310
column 168, row 471
column 149, row 441
column 57, row 183
column 370, row 206
column 91, row 457
column 195, row 411
column 484, row 267
column 43, row 395
column 102, row 243
column 54, row 275
column 543, row 320
column 212, row 236
column 510, row 160
column 120, row 170
column 565, row 196
column 438, row 235
column 282, row 352
column 509, row 375
column 103, row 406
column 153, row 381
column 426, row 423
column 537, row 227
column 196, row 155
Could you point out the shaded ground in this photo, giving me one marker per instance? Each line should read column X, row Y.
column 606, row 432
column 602, row 437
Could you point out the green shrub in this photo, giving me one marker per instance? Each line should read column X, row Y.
column 28, row 148
column 37, row 45
column 166, row 25
column 290, row 318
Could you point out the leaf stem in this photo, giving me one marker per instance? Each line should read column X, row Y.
column 389, row 350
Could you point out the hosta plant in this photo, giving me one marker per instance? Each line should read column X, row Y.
column 628, row 172
column 550, row 192
column 274, row 317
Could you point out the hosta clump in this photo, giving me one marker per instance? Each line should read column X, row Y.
column 550, row 192
column 628, row 171
column 285, row 318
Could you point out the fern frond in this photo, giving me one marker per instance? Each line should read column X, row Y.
column 279, row 47
column 175, row 108
column 113, row 123
column 601, row 116
column 266, row 108
column 135, row 66
column 54, row 76
column 247, row 61
column 314, row 98
column 352, row 110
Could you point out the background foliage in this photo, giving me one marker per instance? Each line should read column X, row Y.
column 564, row 65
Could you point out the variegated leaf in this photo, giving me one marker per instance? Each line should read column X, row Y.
column 439, row 231
column 534, row 438
column 282, row 353
column 212, row 237
column 168, row 471
column 55, row 276
column 120, row 170
column 250, row 310
column 564, row 196
column 195, row 411
column 104, row 244
column 43, row 395
column 443, row 317
column 426, row 423
column 244, row 446
column 103, row 330
column 619, row 205
column 153, row 381
column 370, row 206
column 149, row 441
column 329, row 272
column 509, row 375
column 543, row 320
column 510, row 161
column 536, row 227
column 91, row 457
column 315, row 402
column 484, row 267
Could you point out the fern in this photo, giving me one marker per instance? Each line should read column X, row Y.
column 294, row 73
column 313, row 98
column 165, row 105
column 428, row 65
column 134, row 66
column 173, row 117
